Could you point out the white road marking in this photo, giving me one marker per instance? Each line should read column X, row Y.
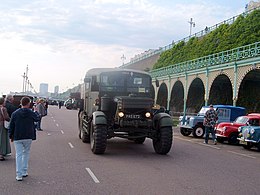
column 54, row 120
column 187, row 140
column 49, row 134
column 209, row 146
column 70, row 144
column 62, row 132
column 57, row 124
column 246, row 155
column 92, row 175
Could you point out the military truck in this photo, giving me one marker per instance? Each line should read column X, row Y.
column 118, row 103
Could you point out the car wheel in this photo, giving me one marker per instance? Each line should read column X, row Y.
column 198, row 131
column 163, row 143
column 185, row 132
column 258, row 146
column 220, row 140
column 248, row 146
column 232, row 139
column 139, row 140
column 98, row 138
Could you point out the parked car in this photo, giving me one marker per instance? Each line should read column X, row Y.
column 229, row 131
column 194, row 124
column 249, row 136
column 17, row 100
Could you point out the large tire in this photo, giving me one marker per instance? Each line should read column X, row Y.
column 198, row 131
column 232, row 139
column 139, row 140
column 163, row 143
column 98, row 138
column 185, row 132
column 85, row 137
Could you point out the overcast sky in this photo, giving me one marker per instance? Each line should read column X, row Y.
column 60, row 40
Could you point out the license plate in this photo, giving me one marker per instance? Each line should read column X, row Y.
column 243, row 142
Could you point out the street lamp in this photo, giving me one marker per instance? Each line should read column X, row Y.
column 123, row 58
column 192, row 24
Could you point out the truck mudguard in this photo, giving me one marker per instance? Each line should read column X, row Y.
column 99, row 118
column 162, row 120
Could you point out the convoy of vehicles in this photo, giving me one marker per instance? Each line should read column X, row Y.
column 227, row 131
column 119, row 103
column 194, row 124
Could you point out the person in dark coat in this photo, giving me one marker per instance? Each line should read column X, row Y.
column 9, row 104
column 22, row 132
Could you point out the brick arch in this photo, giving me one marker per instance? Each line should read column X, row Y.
column 242, row 72
column 227, row 73
column 191, row 81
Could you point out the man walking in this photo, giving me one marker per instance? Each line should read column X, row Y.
column 210, row 120
column 22, row 132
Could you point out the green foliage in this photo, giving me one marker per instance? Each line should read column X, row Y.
column 243, row 31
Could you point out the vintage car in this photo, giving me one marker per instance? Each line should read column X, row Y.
column 249, row 136
column 194, row 124
column 229, row 131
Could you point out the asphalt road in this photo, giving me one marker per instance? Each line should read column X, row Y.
column 62, row 164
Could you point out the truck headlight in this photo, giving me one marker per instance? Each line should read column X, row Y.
column 252, row 131
column 121, row 114
column 147, row 114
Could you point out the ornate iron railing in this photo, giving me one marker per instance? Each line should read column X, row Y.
column 233, row 55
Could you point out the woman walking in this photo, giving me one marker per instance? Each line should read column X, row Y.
column 5, row 147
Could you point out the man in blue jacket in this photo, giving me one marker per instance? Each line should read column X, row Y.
column 22, row 132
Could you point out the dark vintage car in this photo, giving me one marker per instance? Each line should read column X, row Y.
column 17, row 99
column 194, row 124
column 227, row 131
column 249, row 136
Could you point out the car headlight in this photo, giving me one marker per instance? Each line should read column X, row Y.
column 147, row 114
column 121, row 114
column 239, row 129
column 224, row 128
column 252, row 131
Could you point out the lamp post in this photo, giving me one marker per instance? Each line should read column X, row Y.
column 192, row 24
column 123, row 58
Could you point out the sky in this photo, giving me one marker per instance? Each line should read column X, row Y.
column 60, row 40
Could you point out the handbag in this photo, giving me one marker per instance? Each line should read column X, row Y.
column 6, row 123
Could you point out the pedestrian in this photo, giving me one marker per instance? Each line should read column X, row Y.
column 5, row 147
column 210, row 120
column 9, row 104
column 22, row 132
column 46, row 105
column 41, row 110
column 60, row 104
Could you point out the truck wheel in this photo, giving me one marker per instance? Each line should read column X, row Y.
column 248, row 146
column 185, row 132
column 139, row 140
column 98, row 138
column 163, row 143
column 198, row 131
column 84, row 136
column 232, row 139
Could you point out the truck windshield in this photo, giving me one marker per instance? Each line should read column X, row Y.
column 125, row 81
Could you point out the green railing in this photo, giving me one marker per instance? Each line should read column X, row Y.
column 186, row 39
column 233, row 55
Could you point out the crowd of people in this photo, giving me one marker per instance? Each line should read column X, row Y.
column 18, row 124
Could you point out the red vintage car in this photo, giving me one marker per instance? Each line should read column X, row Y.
column 229, row 131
